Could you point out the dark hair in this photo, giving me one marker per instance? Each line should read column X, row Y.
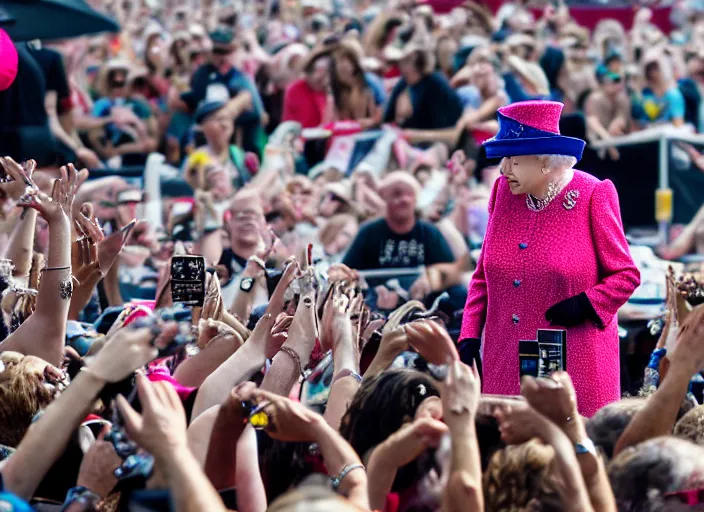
column 340, row 91
column 381, row 406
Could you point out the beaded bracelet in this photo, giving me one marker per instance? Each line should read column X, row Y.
column 292, row 353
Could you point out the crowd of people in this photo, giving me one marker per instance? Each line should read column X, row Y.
column 237, row 243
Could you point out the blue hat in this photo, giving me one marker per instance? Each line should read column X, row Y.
column 206, row 109
column 532, row 128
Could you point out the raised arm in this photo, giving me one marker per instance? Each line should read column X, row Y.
column 43, row 333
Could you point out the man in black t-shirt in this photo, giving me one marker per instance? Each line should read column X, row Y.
column 399, row 240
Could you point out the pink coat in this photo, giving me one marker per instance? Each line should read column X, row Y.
column 532, row 260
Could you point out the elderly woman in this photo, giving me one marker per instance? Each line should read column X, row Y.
column 554, row 256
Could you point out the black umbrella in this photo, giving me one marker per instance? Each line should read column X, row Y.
column 25, row 20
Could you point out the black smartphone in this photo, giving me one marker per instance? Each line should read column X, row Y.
column 528, row 358
column 188, row 280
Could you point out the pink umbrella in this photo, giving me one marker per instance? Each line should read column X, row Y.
column 8, row 61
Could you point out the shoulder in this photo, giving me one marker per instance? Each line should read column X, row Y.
column 592, row 187
column 295, row 86
column 371, row 226
column 202, row 72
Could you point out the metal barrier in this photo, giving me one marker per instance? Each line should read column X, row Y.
column 663, row 135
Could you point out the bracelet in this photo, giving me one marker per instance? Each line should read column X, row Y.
column 49, row 269
column 346, row 373
column 337, row 480
column 292, row 353
column 82, row 495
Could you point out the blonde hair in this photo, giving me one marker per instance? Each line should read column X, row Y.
column 22, row 395
column 517, row 478
column 333, row 227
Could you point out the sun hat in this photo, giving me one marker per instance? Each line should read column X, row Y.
column 530, row 72
column 532, row 128
column 410, row 39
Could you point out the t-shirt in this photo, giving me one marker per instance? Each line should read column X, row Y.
column 304, row 104
column 52, row 65
column 376, row 246
column 233, row 263
column 376, row 84
column 608, row 109
column 436, row 105
column 24, row 125
column 667, row 107
column 208, row 83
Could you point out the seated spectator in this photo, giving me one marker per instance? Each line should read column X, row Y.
column 398, row 240
column 353, row 94
column 422, row 103
column 608, row 110
column 662, row 100
column 216, row 124
column 692, row 89
column 220, row 80
column 306, row 100
column 133, row 139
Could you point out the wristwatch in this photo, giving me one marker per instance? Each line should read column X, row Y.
column 585, row 446
column 246, row 284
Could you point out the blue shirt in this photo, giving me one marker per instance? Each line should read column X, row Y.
column 668, row 107
column 376, row 84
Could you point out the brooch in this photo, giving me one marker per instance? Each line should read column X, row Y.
column 570, row 199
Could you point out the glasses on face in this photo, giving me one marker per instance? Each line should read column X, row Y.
column 246, row 216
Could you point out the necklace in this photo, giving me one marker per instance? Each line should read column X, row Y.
column 554, row 187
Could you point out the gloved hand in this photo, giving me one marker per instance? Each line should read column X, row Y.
column 470, row 350
column 572, row 312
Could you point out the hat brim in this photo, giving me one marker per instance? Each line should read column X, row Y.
column 558, row 145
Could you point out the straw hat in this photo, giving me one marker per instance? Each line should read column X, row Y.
column 531, row 72
column 411, row 39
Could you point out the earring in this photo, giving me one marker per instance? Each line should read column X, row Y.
column 544, row 170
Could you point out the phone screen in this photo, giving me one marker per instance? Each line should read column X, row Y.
column 188, row 280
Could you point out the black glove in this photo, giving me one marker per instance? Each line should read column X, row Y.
column 572, row 312
column 470, row 350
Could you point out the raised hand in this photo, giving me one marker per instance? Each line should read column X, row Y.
column 287, row 420
column 432, row 341
column 18, row 180
column 460, row 397
column 519, row 423
column 161, row 428
column 553, row 397
column 410, row 441
column 127, row 350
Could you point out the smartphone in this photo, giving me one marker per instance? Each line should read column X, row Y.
column 188, row 280
column 528, row 358
column 553, row 351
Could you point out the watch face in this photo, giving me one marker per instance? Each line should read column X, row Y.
column 246, row 284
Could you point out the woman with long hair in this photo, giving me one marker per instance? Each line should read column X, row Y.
column 353, row 94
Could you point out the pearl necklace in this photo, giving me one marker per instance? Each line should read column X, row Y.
column 554, row 188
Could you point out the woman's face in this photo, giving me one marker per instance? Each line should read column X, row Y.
column 345, row 68
column 343, row 239
column 219, row 126
column 524, row 174
column 653, row 72
column 329, row 205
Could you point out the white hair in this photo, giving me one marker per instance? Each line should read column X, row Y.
column 558, row 162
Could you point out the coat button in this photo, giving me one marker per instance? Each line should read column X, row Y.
column 523, row 245
column 515, row 318
column 516, row 283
